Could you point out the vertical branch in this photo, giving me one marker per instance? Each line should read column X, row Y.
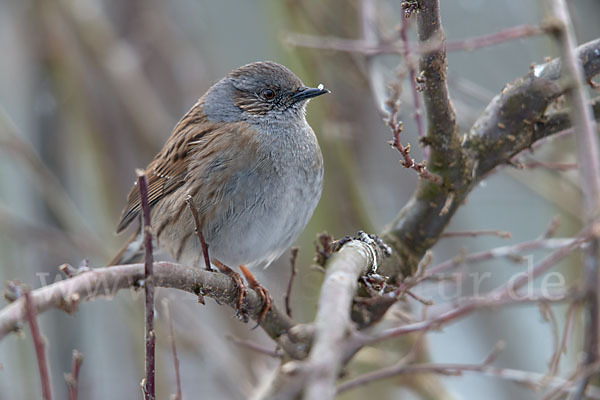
column 288, row 292
column 72, row 378
column 333, row 324
column 148, row 383
column 38, row 343
column 589, row 171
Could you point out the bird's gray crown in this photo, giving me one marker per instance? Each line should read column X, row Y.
column 257, row 91
column 267, row 74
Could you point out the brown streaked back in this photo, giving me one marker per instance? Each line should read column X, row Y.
column 167, row 171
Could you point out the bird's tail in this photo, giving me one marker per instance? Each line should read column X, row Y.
column 131, row 252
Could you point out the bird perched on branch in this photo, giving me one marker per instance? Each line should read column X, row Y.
column 243, row 167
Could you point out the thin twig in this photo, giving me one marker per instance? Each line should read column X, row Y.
column 364, row 47
column 392, row 104
column 169, row 318
column 39, row 345
column 198, row 230
column 589, row 171
column 72, row 378
column 254, row 346
column 501, row 234
column 150, row 338
column 511, row 287
column 570, row 384
column 404, row 367
column 552, row 228
column 507, row 292
column 562, row 347
column 530, row 379
column 502, row 36
column 288, row 292
column 548, row 315
column 511, row 252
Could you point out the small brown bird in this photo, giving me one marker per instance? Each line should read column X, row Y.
column 248, row 162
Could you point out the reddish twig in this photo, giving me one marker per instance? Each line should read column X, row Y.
column 288, row 292
column 396, row 127
column 72, row 378
column 198, row 230
column 167, row 310
column 412, row 75
column 150, row 338
column 370, row 35
column 39, row 345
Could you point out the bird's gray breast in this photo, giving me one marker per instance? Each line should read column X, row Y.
column 272, row 200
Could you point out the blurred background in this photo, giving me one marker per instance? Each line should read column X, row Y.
column 90, row 90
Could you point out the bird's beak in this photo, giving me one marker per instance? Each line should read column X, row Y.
column 305, row 93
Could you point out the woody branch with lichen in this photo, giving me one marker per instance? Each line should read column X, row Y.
column 513, row 121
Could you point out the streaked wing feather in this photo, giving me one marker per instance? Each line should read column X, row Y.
column 168, row 170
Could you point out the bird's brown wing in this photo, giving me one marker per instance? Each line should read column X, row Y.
column 168, row 170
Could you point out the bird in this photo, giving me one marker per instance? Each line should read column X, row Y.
column 237, row 180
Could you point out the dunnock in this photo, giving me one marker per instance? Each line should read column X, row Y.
column 248, row 163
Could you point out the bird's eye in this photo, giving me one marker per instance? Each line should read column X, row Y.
column 268, row 94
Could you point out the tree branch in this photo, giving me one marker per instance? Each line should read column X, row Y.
column 559, row 121
column 319, row 372
column 511, row 123
column 106, row 282
column 38, row 342
column 149, row 335
column 333, row 323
